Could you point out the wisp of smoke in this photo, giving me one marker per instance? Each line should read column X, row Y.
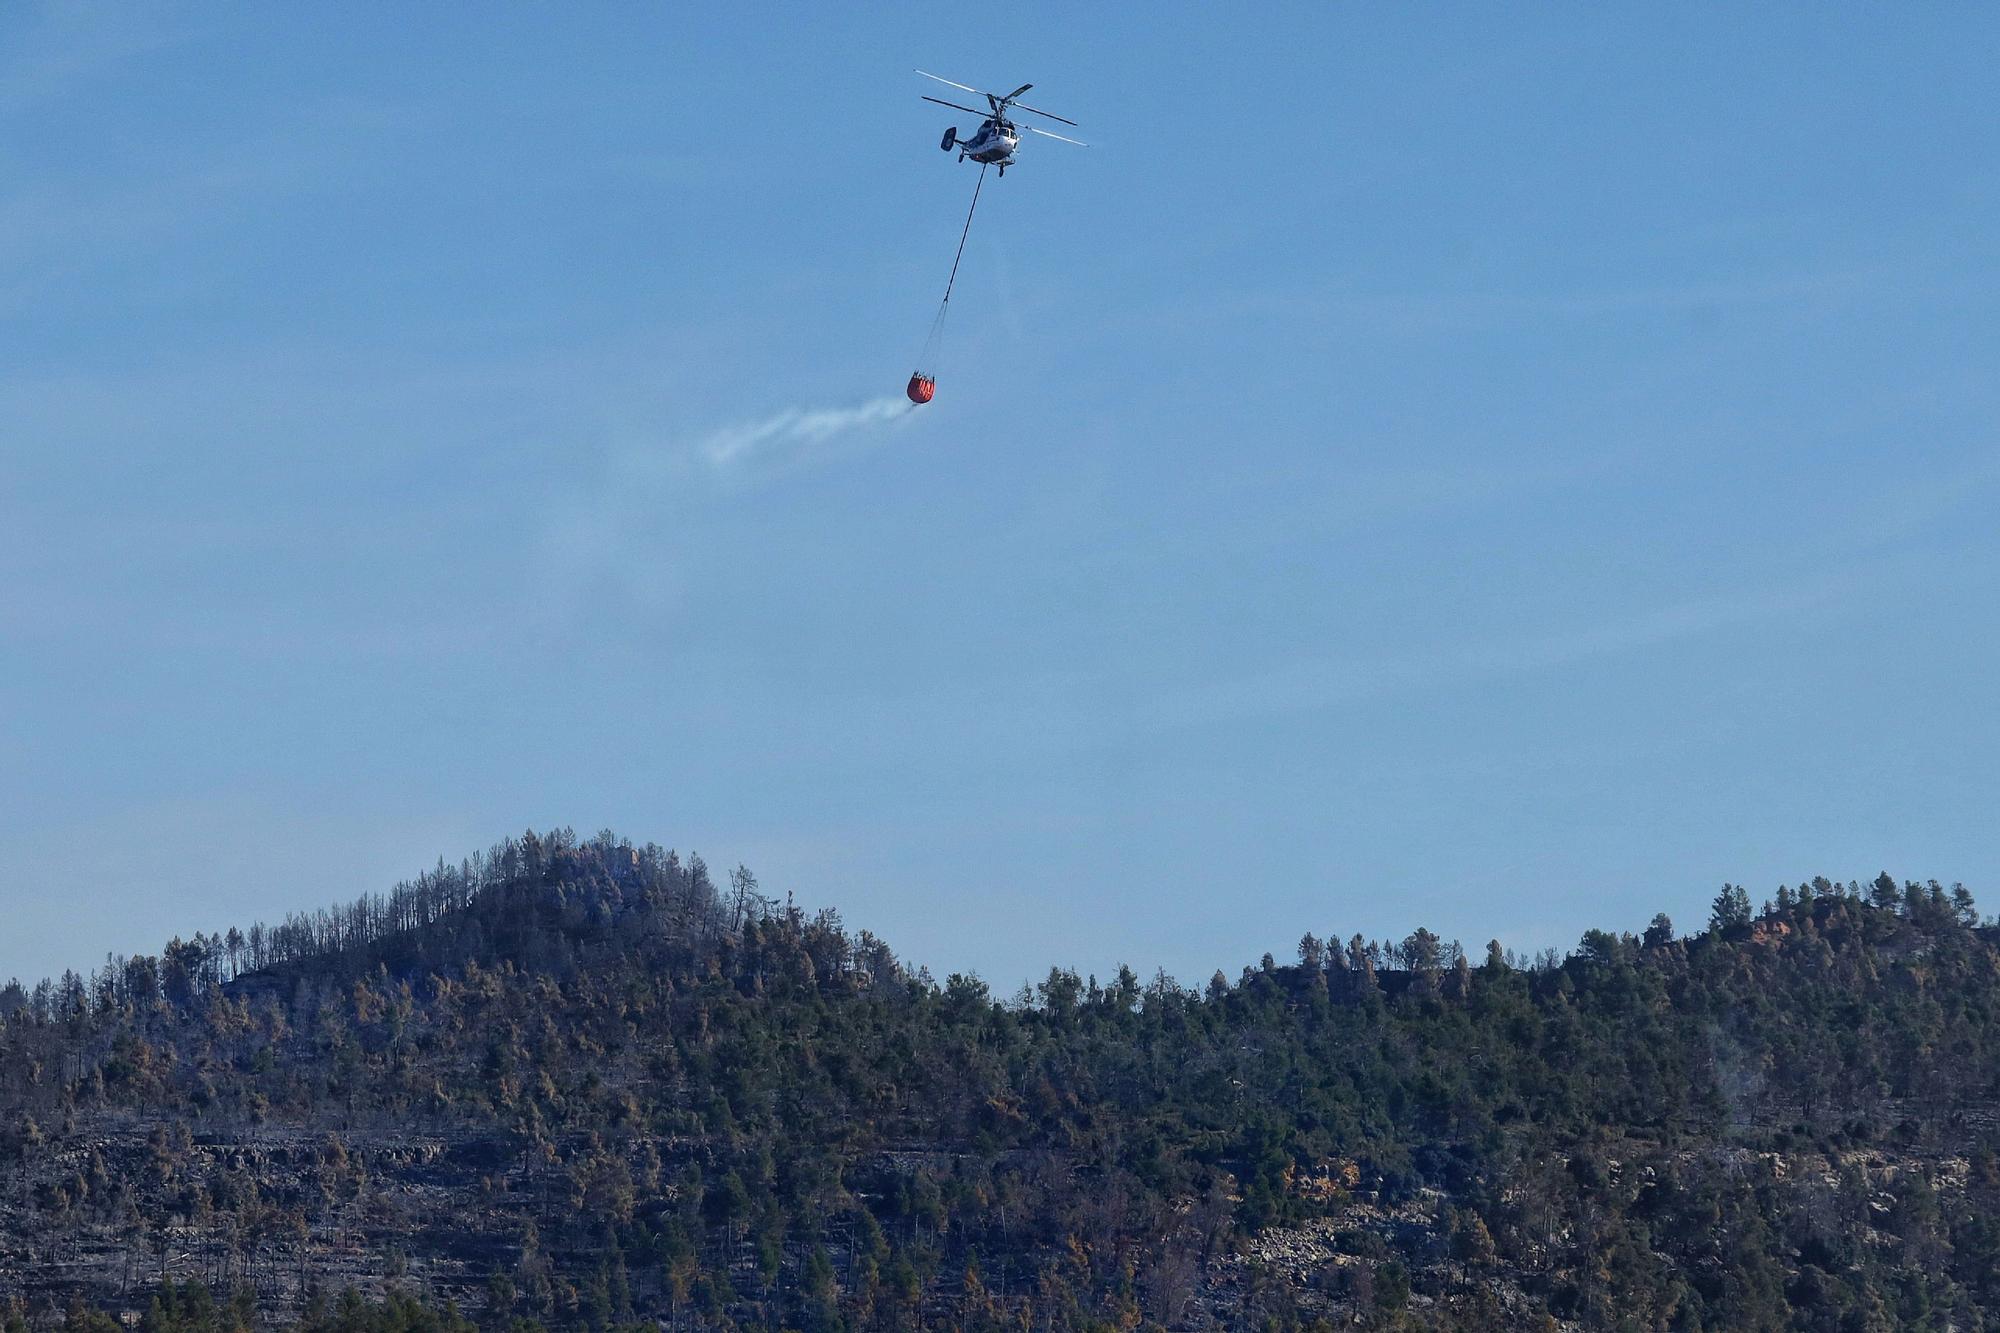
column 794, row 433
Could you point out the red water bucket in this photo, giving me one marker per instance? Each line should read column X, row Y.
column 922, row 388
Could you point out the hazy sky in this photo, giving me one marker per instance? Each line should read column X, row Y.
column 1503, row 468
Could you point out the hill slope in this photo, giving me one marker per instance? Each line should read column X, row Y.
column 578, row 1083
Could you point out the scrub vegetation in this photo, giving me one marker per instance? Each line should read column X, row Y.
column 581, row 1085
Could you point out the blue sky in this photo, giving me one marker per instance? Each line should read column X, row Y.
column 1505, row 470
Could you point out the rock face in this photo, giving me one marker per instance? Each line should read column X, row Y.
column 282, row 1211
column 114, row 1209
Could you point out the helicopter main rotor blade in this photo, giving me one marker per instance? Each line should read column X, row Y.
column 1050, row 114
column 955, row 106
column 1017, row 92
column 1064, row 137
column 965, row 86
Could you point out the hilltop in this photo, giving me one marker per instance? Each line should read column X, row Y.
column 579, row 1084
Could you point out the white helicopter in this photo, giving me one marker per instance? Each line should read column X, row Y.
column 994, row 142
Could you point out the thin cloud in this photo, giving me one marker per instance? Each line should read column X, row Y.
column 71, row 46
column 1305, row 686
column 1660, row 625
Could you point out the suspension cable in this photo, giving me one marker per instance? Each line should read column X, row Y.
column 967, row 231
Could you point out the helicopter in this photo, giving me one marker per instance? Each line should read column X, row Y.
column 994, row 142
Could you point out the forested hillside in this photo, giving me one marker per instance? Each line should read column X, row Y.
column 578, row 1085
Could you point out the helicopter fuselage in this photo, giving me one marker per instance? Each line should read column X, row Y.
column 993, row 144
